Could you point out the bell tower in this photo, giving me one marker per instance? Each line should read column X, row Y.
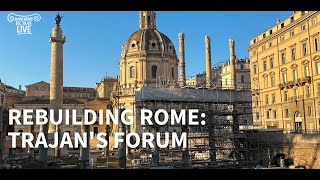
column 148, row 20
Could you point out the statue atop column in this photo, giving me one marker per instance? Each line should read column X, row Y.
column 58, row 19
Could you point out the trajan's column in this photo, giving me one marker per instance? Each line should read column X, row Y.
column 56, row 79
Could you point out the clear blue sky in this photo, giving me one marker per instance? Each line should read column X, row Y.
column 94, row 41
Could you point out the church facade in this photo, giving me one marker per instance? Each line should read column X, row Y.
column 149, row 59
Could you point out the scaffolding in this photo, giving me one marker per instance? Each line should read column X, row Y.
column 228, row 138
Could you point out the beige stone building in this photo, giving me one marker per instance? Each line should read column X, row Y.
column 221, row 76
column 105, row 87
column 38, row 89
column 42, row 89
column 285, row 73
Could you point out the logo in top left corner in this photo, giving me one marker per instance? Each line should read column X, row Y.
column 24, row 22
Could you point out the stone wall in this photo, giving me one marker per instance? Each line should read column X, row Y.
column 304, row 149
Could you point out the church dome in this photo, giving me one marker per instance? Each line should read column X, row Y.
column 148, row 56
column 148, row 38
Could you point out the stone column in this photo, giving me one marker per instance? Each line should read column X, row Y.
column 155, row 150
column 182, row 61
column 43, row 152
column 31, row 150
column 145, row 69
column 185, row 152
column 208, row 61
column 232, row 64
column 56, row 79
column 122, row 145
column 85, row 151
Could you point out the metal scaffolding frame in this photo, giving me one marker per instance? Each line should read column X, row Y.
column 228, row 139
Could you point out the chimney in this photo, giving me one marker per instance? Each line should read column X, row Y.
column 232, row 64
column 182, row 60
column 208, row 61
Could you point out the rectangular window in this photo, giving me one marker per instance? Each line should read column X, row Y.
column 254, row 52
column 263, row 47
column 242, row 79
column 267, row 99
column 286, row 114
column 270, row 32
column 291, row 33
column 254, row 41
column 132, row 72
column 316, row 45
column 264, row 35
column 282, row 38
column 268, row 114
column 149, row 20
column 318, row 67
column 271, row 63
column 257, row 101
column 295, row 75
column 318, row 89
column 314, row 21
column 255, row 68
column 241, row 66
column 272, row 81
column 306, row 70
column 282, row 25
column 257, row 115
column 270, row 44
column 309, row 110
column 304, row 49
column 266, row 82
column 291, row 18
column 274, row 114
column 308, row 92
column 154, row 71
column 296, row 94
column 172, row 73
column 284, row 77
column 293, row 54
column 264, row 65
column 285, row 96
column 283, row 57
column 303, row 27
column 273, row 98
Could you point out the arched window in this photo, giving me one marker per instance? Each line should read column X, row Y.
column 154, row 71
column 132, row 72
column 172, row 73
